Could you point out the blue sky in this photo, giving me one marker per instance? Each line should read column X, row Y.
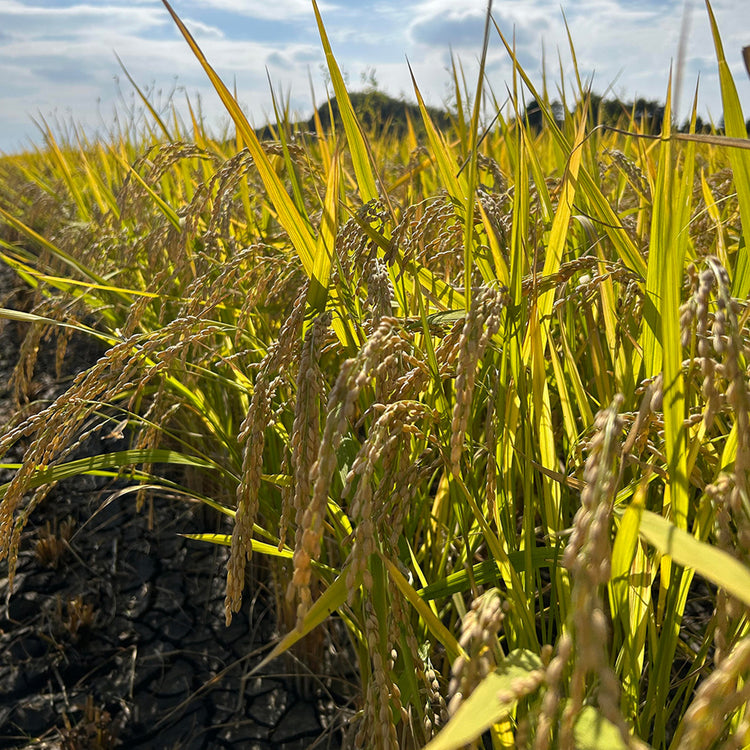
column 57, row 57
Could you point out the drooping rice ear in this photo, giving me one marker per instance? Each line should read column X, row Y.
column 746, row 58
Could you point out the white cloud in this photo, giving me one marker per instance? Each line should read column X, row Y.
column 24, row 20
column 198, row 28
column 262, row 9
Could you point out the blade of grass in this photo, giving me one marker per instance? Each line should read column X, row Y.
column 480, row 710
column 355, row 137
column 104, row 461
column 289, row 217
column 707, row 560
column 324, row 606
column 444, row 161
column 431, row 621
column 324, row 250
column 734, row 124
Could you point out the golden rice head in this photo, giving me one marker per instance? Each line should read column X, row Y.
column 429, row 233
column 54, row 430
column 490, row 445
column 723, row 693
column 481, row 323
column 712, row 327
column 402, row 480
column 384, row 447
column 304, row 441
column 253, row 437
column 378, row 730
column 588, row 557
column 279, row 360
column 711, row 318
column 379, row 292
column 479, row 641
column 355, row 249
column 353, row 376
column 414, row 381
column 133, row 197
column 704, row 228
column 435, row 708
column 634, row 176
column 23, row 370
column 555, row 668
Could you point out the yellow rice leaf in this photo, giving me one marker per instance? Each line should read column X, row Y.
column 66, row 258
column 734, row 124
column 482, row 709
column 709, row 561
column 561, row 222
column 326, row 604
column 354, row 135
column 444, row 160
column 600, row 206
column 289, row 217
column 324, row 250
column 593, row 732
column 431, row 621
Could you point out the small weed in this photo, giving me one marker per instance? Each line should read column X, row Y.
column 75, row 617
column 52, row 542
column 93, row 731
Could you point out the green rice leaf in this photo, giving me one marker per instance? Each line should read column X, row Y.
column 290, row 218
column 119, row 459
column 326, row 604
column 482, row 708
column 734, row 124
column 355, row 137
column 486, row 573
column 705, row 559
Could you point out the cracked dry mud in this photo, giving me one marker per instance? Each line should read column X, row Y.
column 114, row 635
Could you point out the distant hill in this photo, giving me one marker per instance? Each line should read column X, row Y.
column 375, row 111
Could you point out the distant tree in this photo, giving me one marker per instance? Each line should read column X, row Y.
column 701, row 126
column 649, row 113
column 607, row 111
column 533, row 116
column 558, row 112
column 376, row 110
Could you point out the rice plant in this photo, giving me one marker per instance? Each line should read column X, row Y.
column 483, row 399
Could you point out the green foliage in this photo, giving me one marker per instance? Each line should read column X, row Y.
column 406, row 363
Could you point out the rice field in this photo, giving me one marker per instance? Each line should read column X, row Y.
column 481, row 396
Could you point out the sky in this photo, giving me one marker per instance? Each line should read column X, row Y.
column 59, row 58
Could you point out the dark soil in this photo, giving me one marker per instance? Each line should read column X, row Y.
column 114, row 635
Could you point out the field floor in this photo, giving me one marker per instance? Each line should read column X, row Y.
column 115, row 635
